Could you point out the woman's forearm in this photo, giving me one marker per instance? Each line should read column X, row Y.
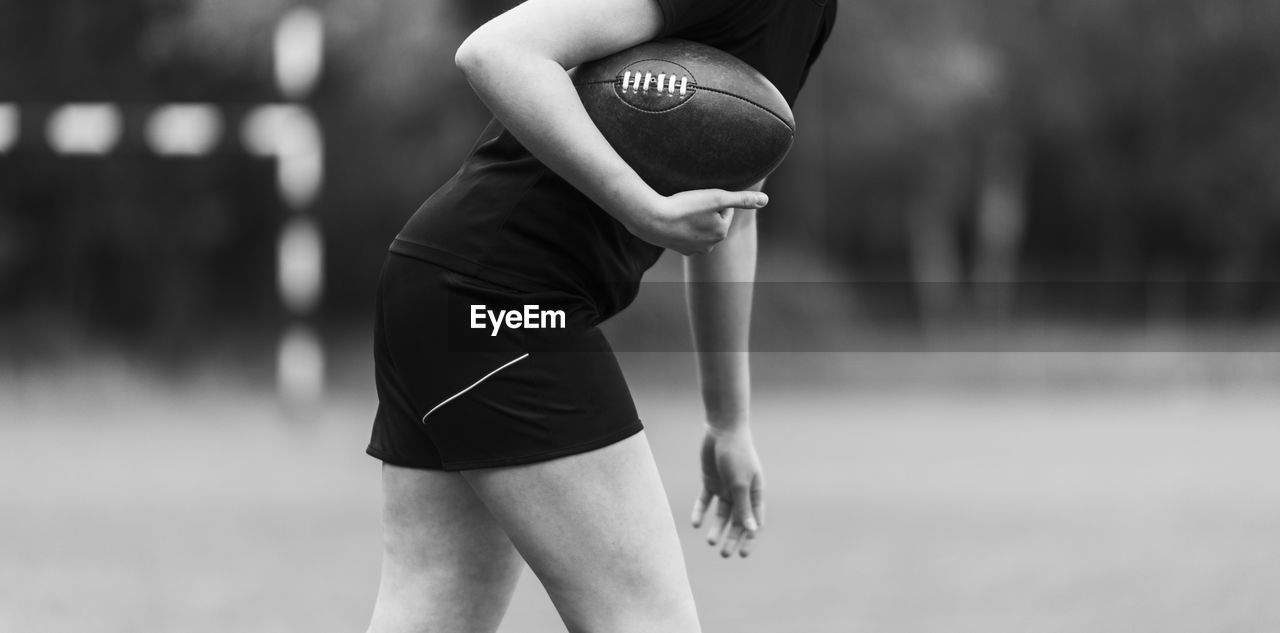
column 522, row 79
column 719, row 295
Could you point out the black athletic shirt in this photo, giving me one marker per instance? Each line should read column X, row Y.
column 508, row 219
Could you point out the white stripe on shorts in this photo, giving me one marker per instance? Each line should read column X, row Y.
column 473, row 385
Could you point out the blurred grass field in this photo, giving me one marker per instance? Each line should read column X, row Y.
column 131, row 505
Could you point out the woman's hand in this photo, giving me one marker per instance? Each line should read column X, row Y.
column 733, row 478
column 692, row 222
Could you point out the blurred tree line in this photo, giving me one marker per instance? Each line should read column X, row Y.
column 968, row 143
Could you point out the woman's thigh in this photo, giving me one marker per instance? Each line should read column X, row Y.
column 597, row 530
column 447, row 565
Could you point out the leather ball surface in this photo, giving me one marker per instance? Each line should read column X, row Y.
column 687, row 116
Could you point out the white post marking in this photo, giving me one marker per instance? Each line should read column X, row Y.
column 299, row 52
column 300, row 365
column 184, row 129
column 84, row 128
column 300, row 269
column 291, row 134
column 9, row 119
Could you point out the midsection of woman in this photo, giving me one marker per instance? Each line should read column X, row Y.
column 506, row 439
column 505, row 216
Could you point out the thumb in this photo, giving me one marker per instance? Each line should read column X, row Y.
column 750, row 200
column 741, row 199
column 742, row 508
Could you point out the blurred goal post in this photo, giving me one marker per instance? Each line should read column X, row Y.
column 287, row 131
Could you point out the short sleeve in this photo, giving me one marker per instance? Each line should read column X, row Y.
column 824, row 33
column 681, row 15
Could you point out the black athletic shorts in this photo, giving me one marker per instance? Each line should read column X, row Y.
column 453, row 396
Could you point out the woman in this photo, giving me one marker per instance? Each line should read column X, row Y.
column 502, row 444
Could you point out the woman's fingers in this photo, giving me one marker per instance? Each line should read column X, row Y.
column 742, row 508
column 756, row 495
column 731, row 543
column 739, row 199
column 720, row 523
column 757, row 499
column 744, row 522
column 748, row 541
column 734, row 525
column 716, row 199
column 700, row 506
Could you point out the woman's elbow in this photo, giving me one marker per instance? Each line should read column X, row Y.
column 476, row 51
column 467, row 56
column 493, row 48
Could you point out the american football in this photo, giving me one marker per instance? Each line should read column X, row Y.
column 687, row 116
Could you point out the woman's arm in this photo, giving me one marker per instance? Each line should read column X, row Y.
column 517, row 64
column 719, row 293
column 719, row 288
